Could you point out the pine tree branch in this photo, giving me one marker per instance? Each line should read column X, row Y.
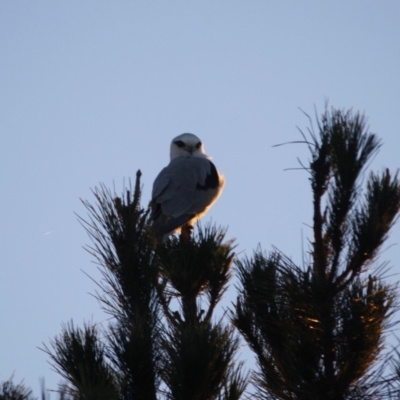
column 318, row 333
column 10, row 391
column 79, row 357
column 371, row 223
column 199, row 354
column 124, row 247
column 320, row 168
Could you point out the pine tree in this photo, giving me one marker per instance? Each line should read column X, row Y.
column 10, row 391
column 318, row 332
column 163, row 340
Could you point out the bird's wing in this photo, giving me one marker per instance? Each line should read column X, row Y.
column 188, row 185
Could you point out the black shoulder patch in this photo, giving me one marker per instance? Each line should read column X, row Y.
column 155, row 210
column 212, row 179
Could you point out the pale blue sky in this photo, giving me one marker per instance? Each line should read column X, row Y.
column 90, row 91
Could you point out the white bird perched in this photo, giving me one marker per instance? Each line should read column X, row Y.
column 184, row 190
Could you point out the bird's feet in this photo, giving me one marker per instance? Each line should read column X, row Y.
column 186, row 233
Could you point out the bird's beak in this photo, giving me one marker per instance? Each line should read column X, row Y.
column 190, row 149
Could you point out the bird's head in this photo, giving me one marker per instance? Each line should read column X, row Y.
column 187, row 145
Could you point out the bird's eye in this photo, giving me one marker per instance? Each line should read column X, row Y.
column 179, row 143
column 198, row 145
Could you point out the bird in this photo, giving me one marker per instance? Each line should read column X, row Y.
column 185, row 189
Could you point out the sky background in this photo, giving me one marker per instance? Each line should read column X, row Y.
column 91, row 91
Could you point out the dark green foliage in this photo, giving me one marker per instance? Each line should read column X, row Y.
column 318, row 332
column 149, row 349
column 276, row 321
column 125, row 363
column 363, row 310
column 124, row 249
column 199, row 353
column 373, row 220
column 79, row 357
column 10, row 391
column 283, row 321
column 199, row 360
column 196, row 267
